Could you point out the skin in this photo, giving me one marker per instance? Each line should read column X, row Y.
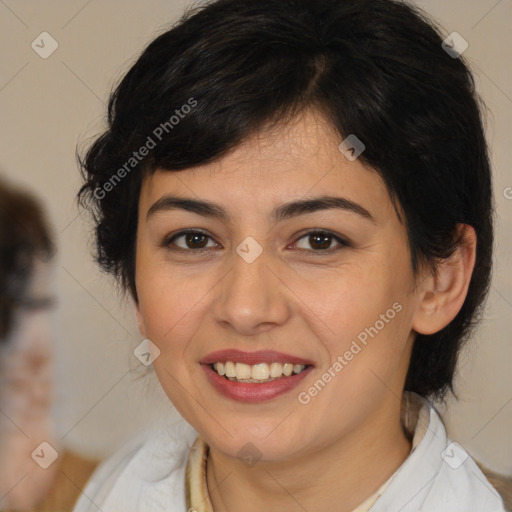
column 338, row 449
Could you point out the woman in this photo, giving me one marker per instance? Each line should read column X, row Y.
column 297, row 195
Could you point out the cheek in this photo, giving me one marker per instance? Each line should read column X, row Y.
column 371, row 359
column 171, row 301
column 360, row 316
column 341, row 304
column 167, row 308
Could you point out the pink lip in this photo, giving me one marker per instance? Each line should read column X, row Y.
column 246, row 392
column 260, row 356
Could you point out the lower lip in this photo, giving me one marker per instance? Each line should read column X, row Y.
column 247, row 392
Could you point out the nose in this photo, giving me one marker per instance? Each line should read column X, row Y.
column 252, row 298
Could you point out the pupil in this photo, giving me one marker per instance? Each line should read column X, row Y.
column 192, row 238
column 324, row 245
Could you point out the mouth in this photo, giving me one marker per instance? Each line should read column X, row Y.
column 254, row 376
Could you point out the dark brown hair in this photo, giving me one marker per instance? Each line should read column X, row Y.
column 374, row 68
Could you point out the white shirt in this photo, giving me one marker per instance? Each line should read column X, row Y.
column 150, row 473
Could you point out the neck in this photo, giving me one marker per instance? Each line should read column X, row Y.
column 339, row 476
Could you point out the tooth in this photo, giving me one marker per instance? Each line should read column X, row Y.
column 243, row 371
column 287, row 369
column 297, row 368
column 260, row 371
column 220, row 368
column 276, row 369
column 230, row 369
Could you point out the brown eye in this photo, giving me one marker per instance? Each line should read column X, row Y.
column 320, row 241
column 189, row 240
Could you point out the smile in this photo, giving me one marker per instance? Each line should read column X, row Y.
column 254, row 376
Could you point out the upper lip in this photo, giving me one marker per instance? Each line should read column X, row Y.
column 251, row 358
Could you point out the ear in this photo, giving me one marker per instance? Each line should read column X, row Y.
column 140, row 321
column 442, row 294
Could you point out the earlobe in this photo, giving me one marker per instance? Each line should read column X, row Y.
column 442, row 294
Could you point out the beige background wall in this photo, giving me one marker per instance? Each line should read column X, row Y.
column 48, row 105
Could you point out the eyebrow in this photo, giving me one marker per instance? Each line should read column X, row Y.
column 282, row 212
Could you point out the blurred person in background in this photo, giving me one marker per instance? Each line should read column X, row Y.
column 26, row 390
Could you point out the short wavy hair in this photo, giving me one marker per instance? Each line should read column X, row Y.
column 374, row 68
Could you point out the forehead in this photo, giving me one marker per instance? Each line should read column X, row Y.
column 296, row 160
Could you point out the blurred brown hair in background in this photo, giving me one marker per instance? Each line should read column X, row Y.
column 24, row 237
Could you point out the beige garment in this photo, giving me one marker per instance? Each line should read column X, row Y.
column 414, row 421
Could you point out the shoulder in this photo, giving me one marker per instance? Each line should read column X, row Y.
column 105, row 476
column 146, row 473
column 438, row 476
column 461, row 481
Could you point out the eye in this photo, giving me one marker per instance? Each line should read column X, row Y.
column 321, row 241
column 191, row 240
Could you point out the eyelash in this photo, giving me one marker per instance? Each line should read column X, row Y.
column 343, row 243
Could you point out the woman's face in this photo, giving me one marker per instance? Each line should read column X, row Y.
column 277, row 278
